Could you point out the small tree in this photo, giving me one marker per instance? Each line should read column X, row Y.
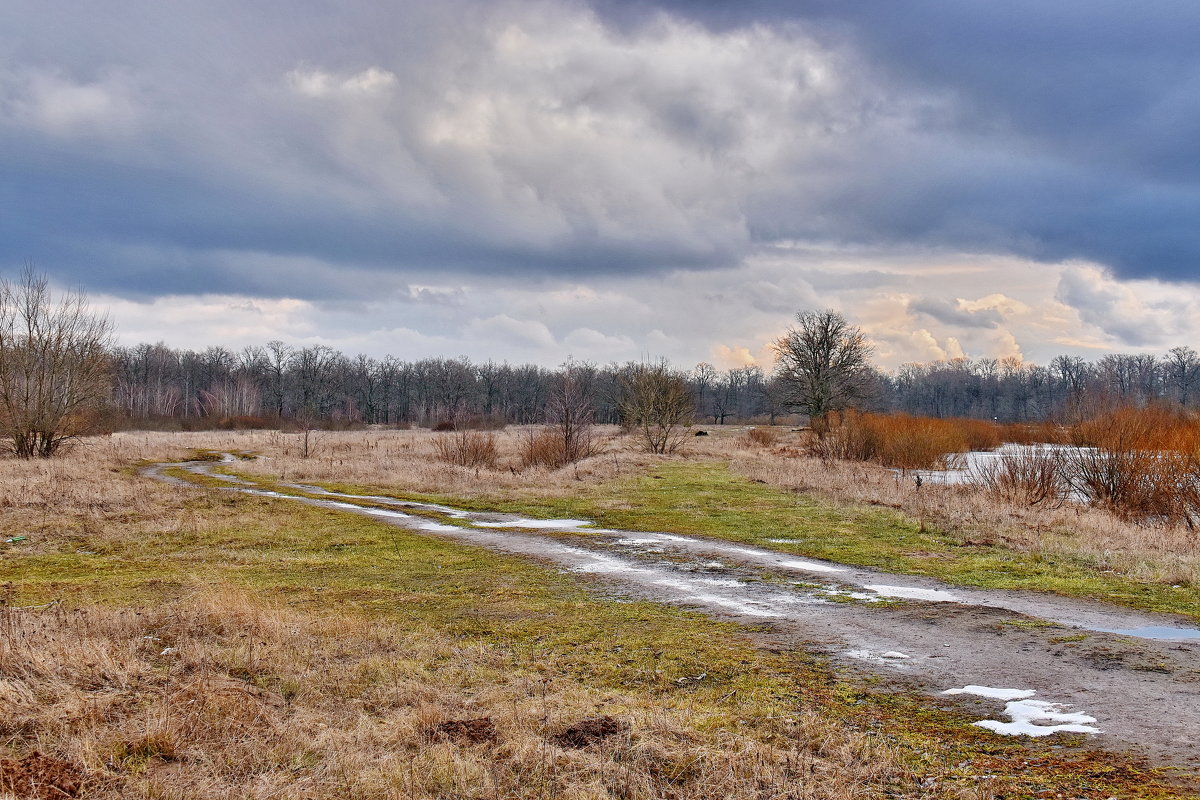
column 569, row 412
column 824, row 365
column 657, row 402
column 54, row 365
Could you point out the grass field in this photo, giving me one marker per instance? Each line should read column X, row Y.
column 205, row 645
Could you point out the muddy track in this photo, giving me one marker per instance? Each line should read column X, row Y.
column 1127, row 680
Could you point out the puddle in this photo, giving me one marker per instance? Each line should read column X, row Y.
column 652, row 561
column 1163, row 632
column 1029, row 717
column 914, row 593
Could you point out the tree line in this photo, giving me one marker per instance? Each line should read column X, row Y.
column 61, row 375
column 279, row 382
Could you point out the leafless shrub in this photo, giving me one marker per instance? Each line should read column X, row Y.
column 467, row 448
column 1141, row 464
column 54, row 365
column 657, row 403
column 569, row 437
column 763, row 437
column 1026, row 475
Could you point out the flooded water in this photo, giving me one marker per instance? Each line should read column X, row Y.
column 968, row 467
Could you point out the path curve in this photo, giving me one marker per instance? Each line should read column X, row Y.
column 1028, row 662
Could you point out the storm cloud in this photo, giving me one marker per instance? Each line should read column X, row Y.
column 413, row 151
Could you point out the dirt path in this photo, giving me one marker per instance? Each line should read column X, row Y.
column 1125, row 679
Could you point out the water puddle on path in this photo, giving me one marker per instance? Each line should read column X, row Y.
column 680, row 568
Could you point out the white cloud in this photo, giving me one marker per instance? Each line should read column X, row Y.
column 53, row 103
column 317, row 83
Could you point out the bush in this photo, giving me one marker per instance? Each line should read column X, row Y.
column 1142, row 464
column 763, row 437
column 551, row 448
column 467, row 449
column 902, row 441
column 1027, row 475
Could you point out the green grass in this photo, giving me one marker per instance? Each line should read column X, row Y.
column 704, row 498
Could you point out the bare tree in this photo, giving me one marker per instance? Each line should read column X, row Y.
column 657, row 403
column 825, row 365
column 1182, row 369
column 54, row 365
column 570, row 411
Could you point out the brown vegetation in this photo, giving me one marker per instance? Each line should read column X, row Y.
column 467, row 448
column 763, row 437
column 216, row 696
column 1028, row 475
column 903, row 442
column 1141, row 464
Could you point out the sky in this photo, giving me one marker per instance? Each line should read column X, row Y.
column 611, row 180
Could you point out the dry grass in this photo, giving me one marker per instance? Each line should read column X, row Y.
column 1169, row 555
column 216, row 696
column 212, row 691
column 257, row 701
column 902, row 441
column 467, row 448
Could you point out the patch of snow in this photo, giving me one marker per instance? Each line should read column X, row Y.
column 809, row 566
column 914, row 593
column 540, row 524
column 1029, row 717
column 436, row 527
column 1027, row 714
column 993, row 692
column 894, row 654
column 889, row 659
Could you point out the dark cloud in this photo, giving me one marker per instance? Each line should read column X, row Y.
column 321, row 150
column 951, row 314
column 1068, row 129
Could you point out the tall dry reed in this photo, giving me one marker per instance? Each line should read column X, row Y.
column 901, row 441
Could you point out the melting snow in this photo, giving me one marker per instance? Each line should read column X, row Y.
column 537, row 524
column 993, row 693
column 1029, row 717
column 892, row 659
column 914, row 593
column 809, row 566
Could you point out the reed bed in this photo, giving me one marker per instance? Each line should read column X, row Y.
column 901, row 441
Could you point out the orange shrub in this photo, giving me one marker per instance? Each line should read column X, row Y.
column 1034, row 433
column 1143, row 464
column 902, row 441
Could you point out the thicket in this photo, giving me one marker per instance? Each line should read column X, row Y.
column 1141, row 464
column 902, row 441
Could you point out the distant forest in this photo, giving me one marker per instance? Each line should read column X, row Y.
column 155, row 385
